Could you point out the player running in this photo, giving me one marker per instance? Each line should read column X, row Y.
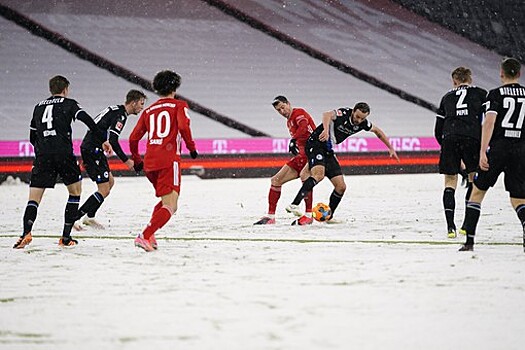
column 300, row 125
column 166, row 121
column 336, row 127
column 458, row 131
column 50, row 135
column 112, row 120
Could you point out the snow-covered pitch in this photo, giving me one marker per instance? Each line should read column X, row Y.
column 383, row 277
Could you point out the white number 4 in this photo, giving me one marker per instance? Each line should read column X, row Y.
column 48, row 117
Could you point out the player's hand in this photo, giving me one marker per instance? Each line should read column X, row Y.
column 393, row 154
column 130, row 164
column 292, row 147
column 323, row 136
column 106, row 146
column 483, row 161
column 194, row 154
column 138, row 167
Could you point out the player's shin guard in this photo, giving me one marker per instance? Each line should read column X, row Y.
column 30, row 216
column 91, row 205
column 449, row 204
column 159, row 218
column 472, row 214
column 335, row 199
column 70, row 215
column 273, row 198
column 307, row 187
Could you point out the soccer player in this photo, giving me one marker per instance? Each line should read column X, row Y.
column 458, row 131
column 300, row 125
column 502, row 148
column 112, row 120
column 50, row 134
column 336, row 127
column 165, row 122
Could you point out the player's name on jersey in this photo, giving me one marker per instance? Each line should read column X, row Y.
column 53, row 101
column 513, row 133
column 462, row 112
column 512, row 91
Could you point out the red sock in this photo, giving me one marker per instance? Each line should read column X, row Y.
column 159, row 218
column 308, row 199
column 157, row 207
column 273, row 198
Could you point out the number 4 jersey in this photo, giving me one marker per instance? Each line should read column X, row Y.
column 166, row 122
column 508, row 102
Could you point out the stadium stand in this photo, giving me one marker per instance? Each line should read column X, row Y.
column 495, row 24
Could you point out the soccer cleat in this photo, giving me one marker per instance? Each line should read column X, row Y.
column 77, row 226
column 93, row 223
column 67, row 242
column 467, row 248
column 23, row 241
column 294, row 209
column 265, row 220
column 452, row 233
column 303, row 220
column 144, row 244
column 462, row 231
column 153, row 242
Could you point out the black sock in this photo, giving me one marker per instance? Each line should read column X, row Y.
column 305, row 189
column 335, row 199
column 472, row 214
column 449, row 203
column 70, row 215
column 30, row 216
column 520, row 210
column 91, row 205
column 469, row 192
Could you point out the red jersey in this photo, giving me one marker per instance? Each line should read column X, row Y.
column 166, row 122
column 301, row 125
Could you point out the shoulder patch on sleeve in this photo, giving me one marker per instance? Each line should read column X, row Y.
column 338, row 112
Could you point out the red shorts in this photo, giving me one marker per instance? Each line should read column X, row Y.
column 165, row 180
column 298, row 162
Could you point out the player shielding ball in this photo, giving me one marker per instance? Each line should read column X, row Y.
column 336, row 127
column 50, row 135
column 112, row 120
column 166, row 121
column 458, row 131
column 502, row 148
column 300, row 125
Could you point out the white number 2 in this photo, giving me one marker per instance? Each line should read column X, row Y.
column 48, row 117
column 462, row 94
column 155, row 125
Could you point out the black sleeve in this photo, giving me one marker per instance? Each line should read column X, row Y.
column 32, row 132
column 113, row 140
column 100, row 135
column 438, row 129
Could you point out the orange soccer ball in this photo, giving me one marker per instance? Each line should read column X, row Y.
column 321, row 212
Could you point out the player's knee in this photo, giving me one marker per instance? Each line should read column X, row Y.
column 340, row 188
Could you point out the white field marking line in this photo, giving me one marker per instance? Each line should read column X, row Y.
column 282, row 240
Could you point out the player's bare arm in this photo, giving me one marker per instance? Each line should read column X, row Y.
column 382, row 136
column 486, row 134
column 327, row 118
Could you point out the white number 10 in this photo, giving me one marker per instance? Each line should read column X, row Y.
column 155, row 125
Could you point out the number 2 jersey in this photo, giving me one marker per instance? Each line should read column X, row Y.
column 50, row 129
column 167, row 123
column 508, row 102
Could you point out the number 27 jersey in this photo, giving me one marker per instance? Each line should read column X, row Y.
column 167, row 123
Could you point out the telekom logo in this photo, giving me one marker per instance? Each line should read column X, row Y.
column 25, row 149
column 279, row 145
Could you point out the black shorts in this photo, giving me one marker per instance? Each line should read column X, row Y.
column 96, row 164
column 455, row 149
column 47, row 167
column 319, row 154
column 507, row 159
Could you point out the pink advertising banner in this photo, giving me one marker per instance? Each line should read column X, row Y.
column 252, row 145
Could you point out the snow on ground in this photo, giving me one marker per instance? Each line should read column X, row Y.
column 384, row 276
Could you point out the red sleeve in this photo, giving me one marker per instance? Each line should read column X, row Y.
column 302, row 133
column 138, row 132
column 183, row 121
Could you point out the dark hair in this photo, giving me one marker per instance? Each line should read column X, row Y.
column 363, row 107
column 462, row 75
column 58, row 84
column 511, row 67
column 134, row 95
column 166, row 82
column 279, row 99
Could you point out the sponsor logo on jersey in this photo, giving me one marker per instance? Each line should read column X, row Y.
column 119, row 126
column 338, row 112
